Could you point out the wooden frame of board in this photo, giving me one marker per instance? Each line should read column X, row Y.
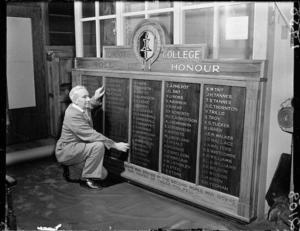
column 194, row 125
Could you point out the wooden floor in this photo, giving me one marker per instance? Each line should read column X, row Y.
column 43, row 198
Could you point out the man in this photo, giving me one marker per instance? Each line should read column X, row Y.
column 81, row 145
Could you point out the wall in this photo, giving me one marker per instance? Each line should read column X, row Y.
column 30, row 122
column 281, row 89
column 61, row 23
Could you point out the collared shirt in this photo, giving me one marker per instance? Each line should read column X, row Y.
column 77, row 107
column 85, row 112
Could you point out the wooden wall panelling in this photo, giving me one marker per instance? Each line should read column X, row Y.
column 250, row 156
column 61, row 23
column 45, row 20
column 31, row 123
column 50, row 99
column 60, row 61
column 53, row 73
column 257, row 176
column 76, row 78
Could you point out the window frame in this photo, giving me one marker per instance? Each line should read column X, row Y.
column 178, row 10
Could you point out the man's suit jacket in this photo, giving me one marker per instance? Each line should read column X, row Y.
column 77, row 129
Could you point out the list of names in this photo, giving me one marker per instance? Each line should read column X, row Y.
column 92, row 83
column 145, row 123
column 222, row 137
column 116, row 112
column 180, row 132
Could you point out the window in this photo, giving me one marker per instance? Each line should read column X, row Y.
column 166, row 22
column 134, row 12
column 107, row 33
column 107, row 8
column 210, row 23
column 233, row 46
column 130, row 23
column 134, row 6
column 89, row 39
column 226, row 27
column 199, row 24
column 88, row 9
column 97, row 27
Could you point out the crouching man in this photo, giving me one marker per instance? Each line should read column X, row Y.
column 81, row 148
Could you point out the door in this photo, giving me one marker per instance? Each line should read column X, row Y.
column 29, row 122
column 60, row 61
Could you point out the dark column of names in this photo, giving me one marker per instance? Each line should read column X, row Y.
column 92, row 83
column 146, row 97
column 117, row 113
column 180, row 133
column 222, row 138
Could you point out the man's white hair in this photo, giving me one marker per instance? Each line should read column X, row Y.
column 73, row 93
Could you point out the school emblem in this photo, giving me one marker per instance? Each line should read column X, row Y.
column 148, row 37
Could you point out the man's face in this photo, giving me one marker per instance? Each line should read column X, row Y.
column 83, row 100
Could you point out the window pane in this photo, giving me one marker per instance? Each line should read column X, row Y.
column 108, row 35
column 199, row 27
column 234, row 44
column 159, row 5
column 195, row 3
column 166, row 22
column 134, row 6
column 89, row 39
column 107, row 8
column 130, row 23
column 88, row 9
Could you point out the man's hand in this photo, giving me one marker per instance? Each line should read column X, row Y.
column 123, row 147
column 99, row 93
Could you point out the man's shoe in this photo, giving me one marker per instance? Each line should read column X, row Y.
column 90, row 184
column 101, row 183
column 66, row 174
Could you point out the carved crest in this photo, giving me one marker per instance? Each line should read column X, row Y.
column 148, row 37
